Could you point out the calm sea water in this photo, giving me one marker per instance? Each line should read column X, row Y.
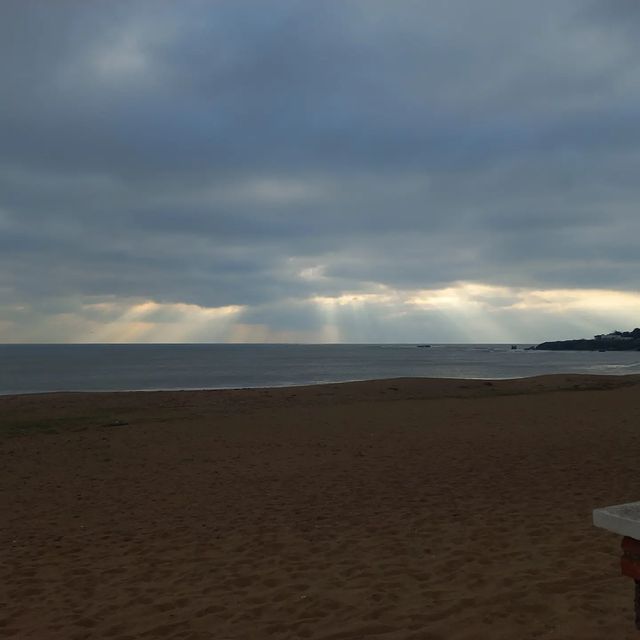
column 40, row 368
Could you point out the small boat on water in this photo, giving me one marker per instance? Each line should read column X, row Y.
column 423, row 346
column 514, row 346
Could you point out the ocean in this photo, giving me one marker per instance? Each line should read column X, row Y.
column 119, row 367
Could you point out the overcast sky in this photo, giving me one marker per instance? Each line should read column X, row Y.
column 313, row 171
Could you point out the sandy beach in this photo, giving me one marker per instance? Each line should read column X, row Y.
column 396, row 509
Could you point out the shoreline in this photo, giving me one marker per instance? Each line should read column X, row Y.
column 406, row 508
column 305, row 385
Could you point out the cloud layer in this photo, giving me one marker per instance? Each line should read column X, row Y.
column 289, row 170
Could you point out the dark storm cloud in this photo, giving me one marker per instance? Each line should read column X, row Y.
column 213, row 153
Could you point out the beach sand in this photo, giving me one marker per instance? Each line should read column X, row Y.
column 394, row 509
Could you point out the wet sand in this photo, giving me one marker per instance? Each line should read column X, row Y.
column 395, row 509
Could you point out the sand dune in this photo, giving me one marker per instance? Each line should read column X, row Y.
column 426, row 509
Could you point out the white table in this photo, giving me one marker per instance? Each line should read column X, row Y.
column 623, row 519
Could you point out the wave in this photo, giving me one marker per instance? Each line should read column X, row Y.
column 631, row 365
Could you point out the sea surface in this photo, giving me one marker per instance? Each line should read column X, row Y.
column 42, row 368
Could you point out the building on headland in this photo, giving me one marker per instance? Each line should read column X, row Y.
column 619, row 335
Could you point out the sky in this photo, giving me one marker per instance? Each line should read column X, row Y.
column 303, row 171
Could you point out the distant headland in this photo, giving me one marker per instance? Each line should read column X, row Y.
column 616, row 341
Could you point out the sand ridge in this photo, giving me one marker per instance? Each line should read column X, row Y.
column 389, row 509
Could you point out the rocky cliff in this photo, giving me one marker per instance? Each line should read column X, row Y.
column 616, row 341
